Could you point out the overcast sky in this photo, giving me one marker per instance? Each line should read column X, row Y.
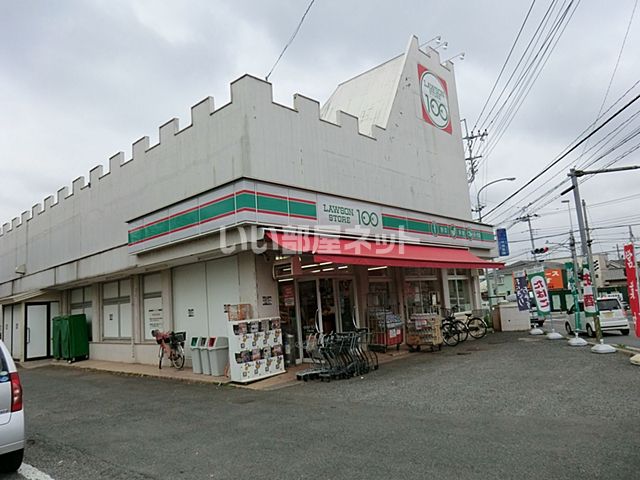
column 82, row 79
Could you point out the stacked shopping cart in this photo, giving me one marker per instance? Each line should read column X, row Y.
column 338, row 356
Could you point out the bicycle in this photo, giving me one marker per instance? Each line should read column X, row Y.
column 476, row 326
column 454, row 331
column 451, row 332
column 171, row 344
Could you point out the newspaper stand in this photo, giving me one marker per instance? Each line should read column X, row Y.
column 423, row 329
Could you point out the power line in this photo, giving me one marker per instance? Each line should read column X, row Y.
column 615, row 68
column 587, row 129
column 536, row 67
column 594, row 159
column 504, row 65
column 290, row 40
column 533, row 37
column 555, row 162
column 528, row 76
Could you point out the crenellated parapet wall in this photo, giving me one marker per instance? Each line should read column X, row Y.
column 245, row 90
column 90, row 215
column 402, row 163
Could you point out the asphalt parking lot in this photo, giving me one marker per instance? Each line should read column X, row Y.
column 506, row 406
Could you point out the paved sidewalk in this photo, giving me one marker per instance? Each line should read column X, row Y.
column 287, row 379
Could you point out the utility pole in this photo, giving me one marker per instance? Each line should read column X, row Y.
column 576, row 285
column 574, row 174
column 592, row 272
column 472, row 159
column 527, row 218
column 578, row 201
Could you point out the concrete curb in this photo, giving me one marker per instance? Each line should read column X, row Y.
column 139, row 373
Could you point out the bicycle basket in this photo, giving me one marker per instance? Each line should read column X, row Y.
column 179, row 337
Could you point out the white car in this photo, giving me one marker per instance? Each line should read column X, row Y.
column 11, row 414
column 612, row 317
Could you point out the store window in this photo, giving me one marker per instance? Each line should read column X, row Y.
column 383, row 320
column 116, row 309
column 152, row 304
column 81, row 303
column 459, row 289
column 422, row 296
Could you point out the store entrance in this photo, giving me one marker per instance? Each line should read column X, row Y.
column 327, row 305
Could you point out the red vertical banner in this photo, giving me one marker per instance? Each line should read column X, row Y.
column 587, row 293
column 632, row 284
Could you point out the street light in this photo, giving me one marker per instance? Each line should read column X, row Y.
column 479, row 210
column 480, row 207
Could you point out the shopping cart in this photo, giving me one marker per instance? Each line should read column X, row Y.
column 339, row 356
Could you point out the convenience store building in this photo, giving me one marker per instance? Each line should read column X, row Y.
column 314, row 214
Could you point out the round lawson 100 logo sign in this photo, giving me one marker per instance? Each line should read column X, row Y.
column 435, row 100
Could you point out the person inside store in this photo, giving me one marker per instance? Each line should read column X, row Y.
column 328, row 319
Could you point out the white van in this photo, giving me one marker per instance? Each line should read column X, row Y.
column 612, row 317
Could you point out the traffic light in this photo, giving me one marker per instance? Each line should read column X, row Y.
column 538, row 251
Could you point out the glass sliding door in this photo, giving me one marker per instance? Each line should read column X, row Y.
column 309, row 308
column 324, row 306
column 328, row 306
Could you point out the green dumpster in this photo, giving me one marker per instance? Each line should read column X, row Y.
column 70, row 337
column 57, row 337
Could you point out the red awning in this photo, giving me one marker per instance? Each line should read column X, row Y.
column 371, row 253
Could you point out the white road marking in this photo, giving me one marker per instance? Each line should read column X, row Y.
column 32, row 473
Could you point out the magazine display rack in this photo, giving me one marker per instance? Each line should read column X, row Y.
column 255, row 349
column 423, row 329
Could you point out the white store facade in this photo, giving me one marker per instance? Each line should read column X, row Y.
column 295, row 210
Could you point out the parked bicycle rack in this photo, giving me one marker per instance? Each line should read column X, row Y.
column 339, row 355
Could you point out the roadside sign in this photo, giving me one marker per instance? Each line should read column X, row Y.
column 522, row 292
column 540, row 292
column 587, row 288
column 554, row 278
column 632, row 284
column 573, row 286
column 503, row 243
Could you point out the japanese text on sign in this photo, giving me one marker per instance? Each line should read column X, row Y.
column 589, row 301
column 540, row 292
column 522, row 293
column 632, row 284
